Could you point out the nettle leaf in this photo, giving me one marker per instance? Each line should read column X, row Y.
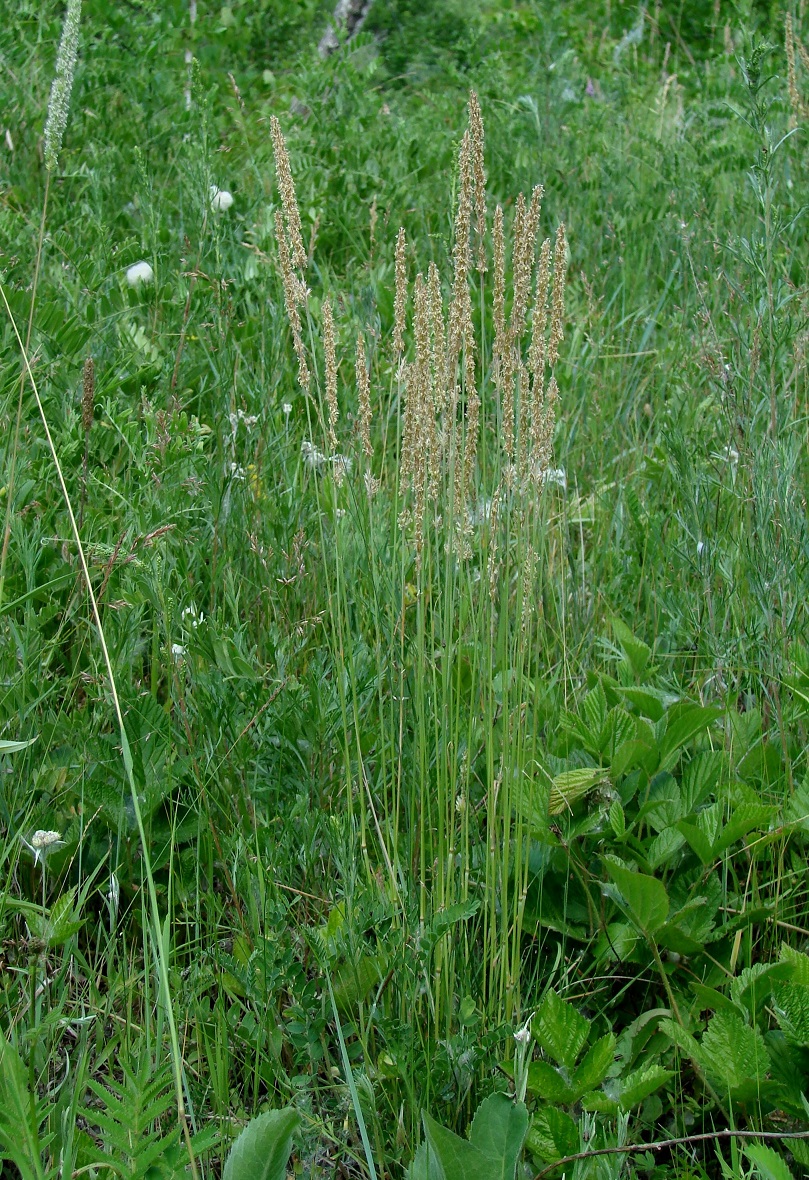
column 663, row 847
column 768, row 1163
column 262, row 1150
column 792, row 1011
column 552, row 1135
column 798, row 963
column 643, row 898
column 63, row 921
column 733, row 1053
column 595, row 711
column 700, row 777
column 744, row 818
column 650, row 702
column 752, row 986
column 560, row 1029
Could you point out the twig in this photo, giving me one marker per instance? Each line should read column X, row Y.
column 661, row 1143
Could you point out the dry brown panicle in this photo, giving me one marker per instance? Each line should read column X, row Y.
column 289, row 202
column 400, row 297
column 330, row 358
column 292, row 296
column 88, row 395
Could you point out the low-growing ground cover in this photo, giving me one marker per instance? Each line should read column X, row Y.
column 433, row 740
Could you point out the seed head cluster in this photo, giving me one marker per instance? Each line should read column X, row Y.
column 62, row 86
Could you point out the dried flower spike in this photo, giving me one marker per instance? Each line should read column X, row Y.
column 59, row 101
column 88, row 395
column 364, row 397
column 479, row 172
column 286, row 187
column 400, row 299
column 331, row 372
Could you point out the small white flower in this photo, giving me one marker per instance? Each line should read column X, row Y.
column 140, row 273
column 523, row 1035
column 555, row 475
column 236, row 472
column 311, row 456
column 700, row 548
column 287, row 409
column 221, row 199
column 177, row 650
column 43, row 843
column 193, row 616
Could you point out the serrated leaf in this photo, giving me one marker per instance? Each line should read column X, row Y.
column 733, row 1053
column 683, row 722
column 617, row 819
column 552, row 1135
column 768, row 1163
column 792, row 1011
column 62, row 921
column 595, row 1064
column 560, row 1029
column 458, row 1158
column 643, row 898
column 546, row 1082
column 663, row 847
column 798, row 963
column 638, row 1085
column 637, row 652
column 262, row 1150
column 571, row 785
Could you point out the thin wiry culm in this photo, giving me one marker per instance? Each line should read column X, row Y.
column 59, row 101
column 400, row 297
column 330, row 357
column 558, row 305
column 479, row 171
column 292, row 295
column 286, row 187
column 364, row 397
column 88, row 395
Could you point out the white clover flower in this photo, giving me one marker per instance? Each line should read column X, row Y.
column 177, row 651
column 287, row 409
column 139, row 273
column 42, row 843
column 221, row 199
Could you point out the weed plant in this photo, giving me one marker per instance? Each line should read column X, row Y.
column 405, row 684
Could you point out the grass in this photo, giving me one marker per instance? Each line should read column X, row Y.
column 383, row 791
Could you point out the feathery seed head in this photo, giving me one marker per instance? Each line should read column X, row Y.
column 558, row 303
column 400, row 298
column 364, row 397
column 330, row 356
column 88, row 395
column 62, row 85
column 479, row 173
column 286, row 187
column 293, row 291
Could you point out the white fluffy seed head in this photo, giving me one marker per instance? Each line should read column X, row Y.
column 139, row 273
column 221, row 199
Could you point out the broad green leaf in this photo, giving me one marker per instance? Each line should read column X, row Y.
column 733, row 1053
column 571, row 785
column 425, row 1165
column 63, row 921
column 458, row 1158
column 19, row 1135
column 629, row 755
column 682, row 1039
column 498, row 1130
column 636, row 651
column 552, row 1135
column 768, row 1163
column 560, row 1029
column 663, row 847
column 798, row 963
column 638, row 1085
column 683, row 722
column 546, row 1082
column 595, row 1064
column 617, row 819
column 791, row 1001
column 262, row 1150
column 699, row 841
column 644, row 898
column 743, row 819
column 650, row 702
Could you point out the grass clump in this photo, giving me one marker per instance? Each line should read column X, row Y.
column 405, row 678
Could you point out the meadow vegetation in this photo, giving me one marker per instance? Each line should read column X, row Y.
column 403, row 591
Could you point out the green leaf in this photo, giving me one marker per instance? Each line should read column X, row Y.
column 19, row 1134
column 683, row 722
column 768, row 1163
column 425, row 1165
column 733, row 1053
column 570, row 786
column 546, row 1082
column 638, row 1085
column 62, row 921
column 552, row 1135
column 458, row 1158
column 498, row 1130
column 792, row 1011
column 637, row 652
column 595, row 1064
column 8, row 747
column 262, row 1150
column 560, row 1030
column 643, row 898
